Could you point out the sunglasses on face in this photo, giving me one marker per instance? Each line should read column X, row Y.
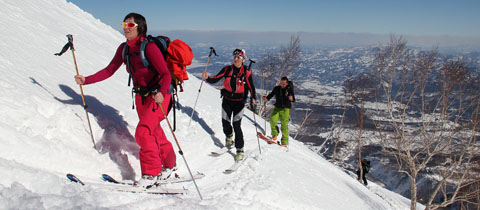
column 129, row 25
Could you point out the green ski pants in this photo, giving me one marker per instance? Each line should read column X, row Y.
column 284, row 114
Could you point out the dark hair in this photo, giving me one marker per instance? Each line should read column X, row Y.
column 140, row 20
column 285, row 78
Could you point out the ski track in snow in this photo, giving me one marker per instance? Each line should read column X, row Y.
column 45, row 133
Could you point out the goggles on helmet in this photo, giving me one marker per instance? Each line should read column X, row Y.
column 240, row 53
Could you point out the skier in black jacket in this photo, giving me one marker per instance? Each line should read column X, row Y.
column 365, row 168
column 284, row 97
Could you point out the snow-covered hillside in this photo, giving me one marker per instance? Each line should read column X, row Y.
column 44, row 132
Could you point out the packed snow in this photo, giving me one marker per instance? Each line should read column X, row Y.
column 45, row 132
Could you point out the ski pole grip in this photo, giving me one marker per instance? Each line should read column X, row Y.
column 212, row 50
column 70, row 40
column 251, row 62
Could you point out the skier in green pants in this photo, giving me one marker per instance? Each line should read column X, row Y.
column 284, row 97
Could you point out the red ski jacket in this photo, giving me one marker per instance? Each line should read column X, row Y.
column 141, row 75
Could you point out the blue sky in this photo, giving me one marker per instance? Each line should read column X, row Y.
column 403, row 17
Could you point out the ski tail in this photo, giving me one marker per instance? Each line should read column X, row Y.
column 234, row 166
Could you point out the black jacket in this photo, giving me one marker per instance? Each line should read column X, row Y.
column 281, row 96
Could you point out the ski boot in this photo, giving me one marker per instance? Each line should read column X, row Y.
column 240, row 156
column 274, row 138
column 229, row 140
column 147, row 181
column 167, row 172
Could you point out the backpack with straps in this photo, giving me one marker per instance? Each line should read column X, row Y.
column 242, row 87
column 177, row 54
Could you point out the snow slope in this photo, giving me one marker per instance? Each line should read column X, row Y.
column 45, row 132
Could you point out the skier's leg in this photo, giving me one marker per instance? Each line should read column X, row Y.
column 273, row 121
column 364, row 179
column 167, row 154
column 284, row 119
column 237, row 124
column 226, row 117
column 150, row 160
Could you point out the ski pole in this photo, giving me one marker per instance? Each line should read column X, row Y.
column 256, row 129
column 254, row 108
column 180, row 150
column 70, row 46
column 212, row 50
column 249, row 67
column 265, row 112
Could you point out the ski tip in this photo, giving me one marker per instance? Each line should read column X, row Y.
column 108, row 178
column 228, row 171
column 73, row 178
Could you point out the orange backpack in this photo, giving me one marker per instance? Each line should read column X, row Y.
column 179, row 56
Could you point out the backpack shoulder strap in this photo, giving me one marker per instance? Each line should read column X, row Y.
column 143, row 46
column 126, row 61
column 228, row 71
column 125, row 52
column 246, row 73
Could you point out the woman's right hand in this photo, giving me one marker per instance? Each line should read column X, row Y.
column 204, row 75
column 80, row 79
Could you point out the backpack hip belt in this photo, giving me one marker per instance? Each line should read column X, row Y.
column 232, row 96
column 145, row 91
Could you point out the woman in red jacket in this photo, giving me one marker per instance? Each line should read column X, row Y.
column 157, row 158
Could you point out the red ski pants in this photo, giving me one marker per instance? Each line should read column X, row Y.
column 155, row 150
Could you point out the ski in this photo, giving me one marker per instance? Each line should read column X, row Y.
column 176, row 179
column 73, row 178
column 128, row 188
column 219, row 152
column 268, row 140
column 234, row 166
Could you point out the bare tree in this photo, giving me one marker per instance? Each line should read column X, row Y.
column 276, row 65
column 356, row 92
column 308, row 112
column 469, row 194
column 289, row 57
column 268, row 67
column 336, row 131
column 429, row 113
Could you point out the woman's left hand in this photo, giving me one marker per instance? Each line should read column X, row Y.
column 158, row 98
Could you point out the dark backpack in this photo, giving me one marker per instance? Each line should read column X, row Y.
column 290, row 89
column 366, row 165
